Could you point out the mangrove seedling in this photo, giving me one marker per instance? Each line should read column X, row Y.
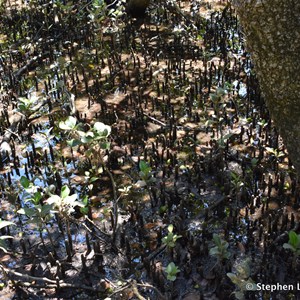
column 146, row 173
column 221, row 249
column 38, row 213
column 96, row 140
column 275, row 153
column 172, row 271
column 293, row 243
column 241, row 279
column 26, row 105
column 171, row 238
column 65, row 203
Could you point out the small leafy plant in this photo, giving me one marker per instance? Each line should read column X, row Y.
column 65, row 203
column 171, row 238
column 145, row 173
column 293, row 243
column 26, row 105
column 276, row 153
column 95, row 140
column 96, row 136
column 221, row 248
column 172, row 271
column 242, row 280
column 236, row 181
column 35, row 210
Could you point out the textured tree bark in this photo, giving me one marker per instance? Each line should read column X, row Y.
column 272, row 31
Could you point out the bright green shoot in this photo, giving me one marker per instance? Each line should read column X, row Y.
column 293, row 243
column 221, row 248
column 34, row 195
column 146, row 175
column 171, row 238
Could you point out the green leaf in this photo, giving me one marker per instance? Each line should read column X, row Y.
column 293, row 239
column 102, row 129
column 105, row 145
column 65, row 191
column 93, row 179
column 172, row 268
column 68, row 124
column 170, row 228
column 29, row 212
column 37, row 197
column 171, row 277
column 87, row 139
column 74, row 142
column 217, row 240
column 171, row 271
column 243, row 269
column 235, row 280
column 70, row 200
column 22, row 107
column 169, row 267
column 176, row 237
column 5, row 223
column 84, row 210
column 239, row 295
column 46, row 209
column 214, row 251
column 85, row 200
column 163, row 209
column 54, row 199
column 3, row 245
column 24, row 182
column 224, row 245
column 144, row 167
column 289, row 247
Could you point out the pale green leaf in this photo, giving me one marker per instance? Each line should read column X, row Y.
column 102, row 129
column 68, row 124
column 170, row 228
column 4, row 223
column 65, row 191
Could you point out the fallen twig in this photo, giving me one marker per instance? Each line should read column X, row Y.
column 48, row 283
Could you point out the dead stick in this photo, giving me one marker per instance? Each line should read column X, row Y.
column 48, row 283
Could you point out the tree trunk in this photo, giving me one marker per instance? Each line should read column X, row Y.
column 272, row 31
